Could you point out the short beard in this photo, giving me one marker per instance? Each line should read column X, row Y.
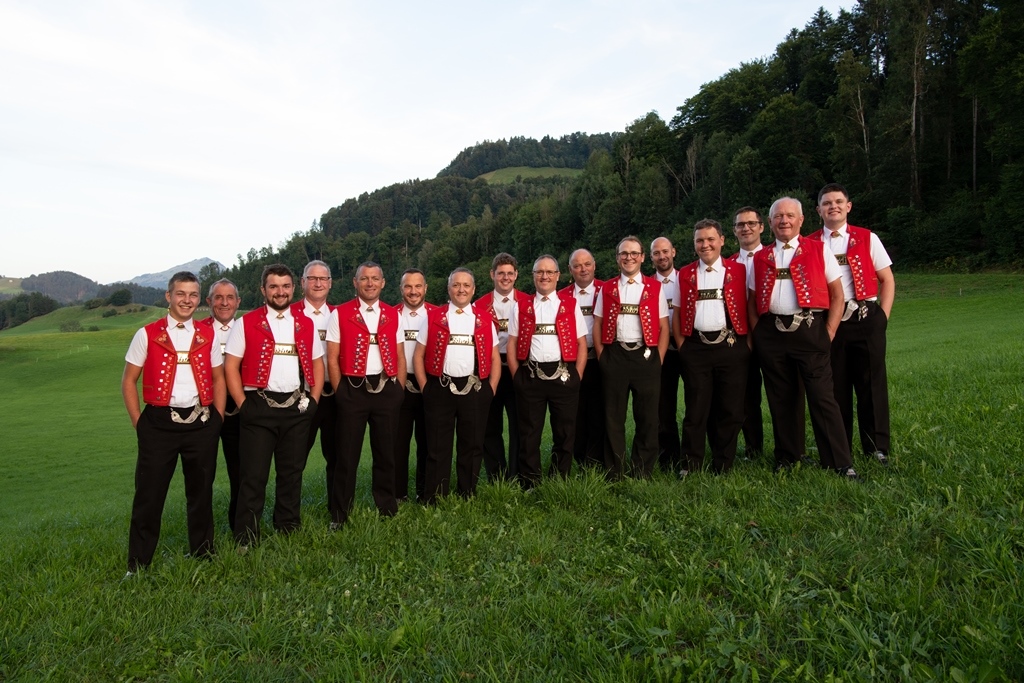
column 278, row 308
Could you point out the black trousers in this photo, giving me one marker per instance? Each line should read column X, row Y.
column 786, row 358
column 411, row 422
column 325, row 421
column 588, row 446
column 624, row 373
column 858, row 366
column 753, row 425
column 448, row 414
column 229, row 441
column 668, row 412
column 714, row 383
column 504, row 402
column 277, row 434
column 160, row 442
column 357, row 408
column 535, row 397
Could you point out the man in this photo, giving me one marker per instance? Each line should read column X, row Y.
column 366, row 364
column 748, row 227
column 547, row 358
column 795, row 303
column 316, row 285
column 631, row 338
column 499, row 304
column 183, row 388
column 663, row 255
column 412, row 419
column 711, row 333
column 273, row 373
column 858, row 350
column 457, row 368
column 588, row 446
column 223, row 301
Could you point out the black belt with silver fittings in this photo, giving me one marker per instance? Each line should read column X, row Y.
column 636, row 346
column 473, row 383
column 561, row 371
column 296, row 398
column 367, row 381
column 724, row 335
column 804, row 316
column 199, row 412
column 861, row 307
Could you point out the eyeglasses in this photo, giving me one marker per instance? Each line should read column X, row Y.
column 631, row 254
column 747, row 224
column 546, row 273
column 317, row 278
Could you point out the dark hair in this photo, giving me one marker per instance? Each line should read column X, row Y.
column 630, row 238
column 833, row 187
column 278, row 269
column 181, row 276
column 368, row 264
column 413, row 271
column 705, row 223
column 504, row 259
column 747, row 209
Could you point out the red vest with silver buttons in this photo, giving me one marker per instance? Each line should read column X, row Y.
column 162, row 363
column 650, row 323
column 565, row 327
column 807, row 268
column 438, row 334
column 858, row 257
column 486, row 304
column 355, row 338
column 734, row 294
column 259, row 347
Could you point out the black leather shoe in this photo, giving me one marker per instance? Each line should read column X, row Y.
column 848, row 473
column 881, row 457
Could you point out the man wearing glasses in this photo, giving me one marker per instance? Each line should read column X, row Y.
column 547, row 340
column 631, row 336
column 316, row 285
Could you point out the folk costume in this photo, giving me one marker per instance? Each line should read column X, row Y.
column 588, row 445
column 412, row 417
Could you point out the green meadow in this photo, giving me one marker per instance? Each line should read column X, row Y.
column 507, row 176
column 913, row 574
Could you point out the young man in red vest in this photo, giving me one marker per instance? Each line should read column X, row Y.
column 366, row 364
column 499, row 304
column 858, row 350
column 663, row 256
column 457, row 368
column 710, row 329
column 795, row 302
column 183, row 389
column 316, row 285
column 223, row 301
column 413, row 312
column 547, row 357
column 588, row 446
column 631, row 338
column 274, row 373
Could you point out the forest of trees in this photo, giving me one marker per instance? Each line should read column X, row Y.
column 23, row 307
column 916, row 106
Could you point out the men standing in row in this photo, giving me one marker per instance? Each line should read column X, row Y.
column 547, row 356
column 795, row 303
column 499, row 304
column 316, row 285
column 274, row 373
column 457, row 368
column 366, row 364
column 411, row 420
column 858, row 350
column 183, row 388
column 223, row 301
column 711, row 333
column 588, row 446
column 663, row 256
column 631, row 338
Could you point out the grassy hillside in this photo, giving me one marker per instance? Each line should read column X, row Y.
column 10, row 285
column 912, row 575
column 505, row 176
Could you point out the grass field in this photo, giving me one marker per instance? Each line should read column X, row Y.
column 10, row 285
column 506, row 176
column 912, row 575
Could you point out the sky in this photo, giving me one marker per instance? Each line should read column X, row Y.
column 136, row 135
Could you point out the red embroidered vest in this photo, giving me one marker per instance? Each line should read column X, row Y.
column 858, row 257
column 485, row 305
column 438, row 334
column 650, row 323
column 355, row 338
column 734, row 294
column 565, row 327
column 162, row 363
column 807, row 268
column 259, row 347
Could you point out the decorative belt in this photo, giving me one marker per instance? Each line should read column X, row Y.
column 804, row 316
column 544, row 329
column 323, row 335
column 223, row 348
column 861, row 307
column 536, row 372
column 285, row 350
column 724, row 335
column 297, row 397
column 373, row 338
column 629, row 309
column 842, row 259
column 365, row 381
column 411, row 387
column 199, row 412
column 632, row 346
column 183, row 358
column 473, row 383
column 410, row 335
column 783, row 274
column 670, row 304
column 503, row 324
column 587, row 310
column 708, row 294
column 461, row 340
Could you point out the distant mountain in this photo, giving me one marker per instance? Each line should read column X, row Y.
column 160, row 279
